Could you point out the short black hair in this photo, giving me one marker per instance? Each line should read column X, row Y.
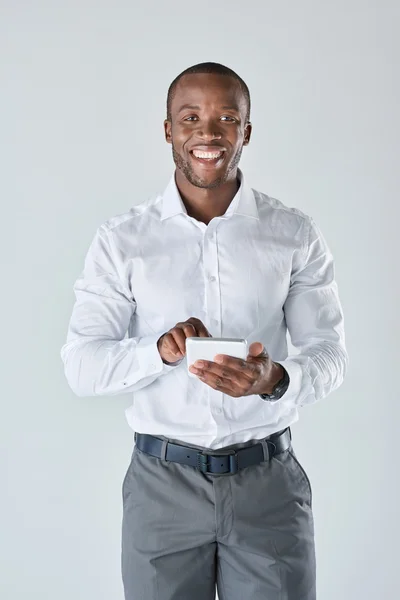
column 208, row 67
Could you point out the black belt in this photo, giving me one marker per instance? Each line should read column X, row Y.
column 229, row 462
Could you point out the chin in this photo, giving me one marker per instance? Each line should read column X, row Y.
column 209, row 177
column 212, row 180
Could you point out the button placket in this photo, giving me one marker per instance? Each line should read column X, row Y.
column 213, row 299
column 213, row 309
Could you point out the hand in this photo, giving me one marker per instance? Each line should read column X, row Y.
column 258, row 374
column 171, row 345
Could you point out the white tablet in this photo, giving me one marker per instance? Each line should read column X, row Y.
column 206, row 348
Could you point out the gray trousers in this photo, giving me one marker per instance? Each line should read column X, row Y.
column 250, row 534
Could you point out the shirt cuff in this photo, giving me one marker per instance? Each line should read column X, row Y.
column 295, row 373
column 150, row 361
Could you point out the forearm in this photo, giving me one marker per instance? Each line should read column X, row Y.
column 315, row 373
column 109, row 367
column 314, row 317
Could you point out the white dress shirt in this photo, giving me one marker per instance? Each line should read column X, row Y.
column 256, row 272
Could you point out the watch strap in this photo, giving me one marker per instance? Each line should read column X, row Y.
column 279, row 388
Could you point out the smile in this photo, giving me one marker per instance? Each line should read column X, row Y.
column 208, row 156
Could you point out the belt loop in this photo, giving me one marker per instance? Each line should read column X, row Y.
column 265, row 449
column 164, row 449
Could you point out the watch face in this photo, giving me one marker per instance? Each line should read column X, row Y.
column 277, row 393
column 284, row 389
column 268, row 396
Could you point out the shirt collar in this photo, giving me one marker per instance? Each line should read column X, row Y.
column 243, row 203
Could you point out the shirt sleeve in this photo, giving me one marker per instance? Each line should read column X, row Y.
column 98, row 359
column 315, row 322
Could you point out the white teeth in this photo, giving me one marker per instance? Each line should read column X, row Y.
column 209, row 155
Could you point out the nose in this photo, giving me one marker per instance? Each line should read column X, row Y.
column 208, row 130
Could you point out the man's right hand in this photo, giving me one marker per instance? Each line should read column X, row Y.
column 171, row 345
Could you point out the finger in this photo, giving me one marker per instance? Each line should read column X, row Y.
column 201, row 329
column 248, row 369
column 257, row 349
column 171, row 344
column 180, row 332
column 230, row 378
column 224, row 385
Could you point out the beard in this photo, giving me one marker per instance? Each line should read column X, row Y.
column 186, row 167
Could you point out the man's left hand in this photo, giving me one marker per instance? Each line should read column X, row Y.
column 236, row 377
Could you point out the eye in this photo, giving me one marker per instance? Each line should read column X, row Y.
column 190, row 118
column 228, row 117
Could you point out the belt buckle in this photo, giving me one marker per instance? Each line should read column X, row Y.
column 203, row 462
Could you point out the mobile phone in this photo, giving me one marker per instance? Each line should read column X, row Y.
column 206, row 348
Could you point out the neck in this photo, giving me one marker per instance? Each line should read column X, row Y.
column 204, row 204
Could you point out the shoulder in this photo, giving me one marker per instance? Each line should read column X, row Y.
column 281, row 219
column 134, row 219
column 268, row 204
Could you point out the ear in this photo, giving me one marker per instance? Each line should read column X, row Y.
column 167, row 130
column 247, row 133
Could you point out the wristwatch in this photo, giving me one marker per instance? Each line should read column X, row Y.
column 279, row 388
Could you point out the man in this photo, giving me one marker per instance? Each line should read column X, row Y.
column 214, row 495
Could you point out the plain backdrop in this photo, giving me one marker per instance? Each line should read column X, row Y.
column 82, row 103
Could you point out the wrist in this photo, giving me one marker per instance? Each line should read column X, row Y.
column 278, row 375
column 279, row 388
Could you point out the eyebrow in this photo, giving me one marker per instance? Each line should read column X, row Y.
column 195, row 107
column 191, row 106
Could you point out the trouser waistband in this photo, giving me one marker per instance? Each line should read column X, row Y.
column 222, row 461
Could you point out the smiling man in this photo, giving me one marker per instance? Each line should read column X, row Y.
column 214, row 496
column 208, row 125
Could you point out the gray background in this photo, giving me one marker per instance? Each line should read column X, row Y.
column 83, row 86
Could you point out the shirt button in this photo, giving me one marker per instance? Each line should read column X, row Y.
column 212, row 278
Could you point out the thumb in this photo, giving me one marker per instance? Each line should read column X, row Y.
column 257, row 349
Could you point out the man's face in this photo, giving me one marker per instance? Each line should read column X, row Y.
column 208, row 128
